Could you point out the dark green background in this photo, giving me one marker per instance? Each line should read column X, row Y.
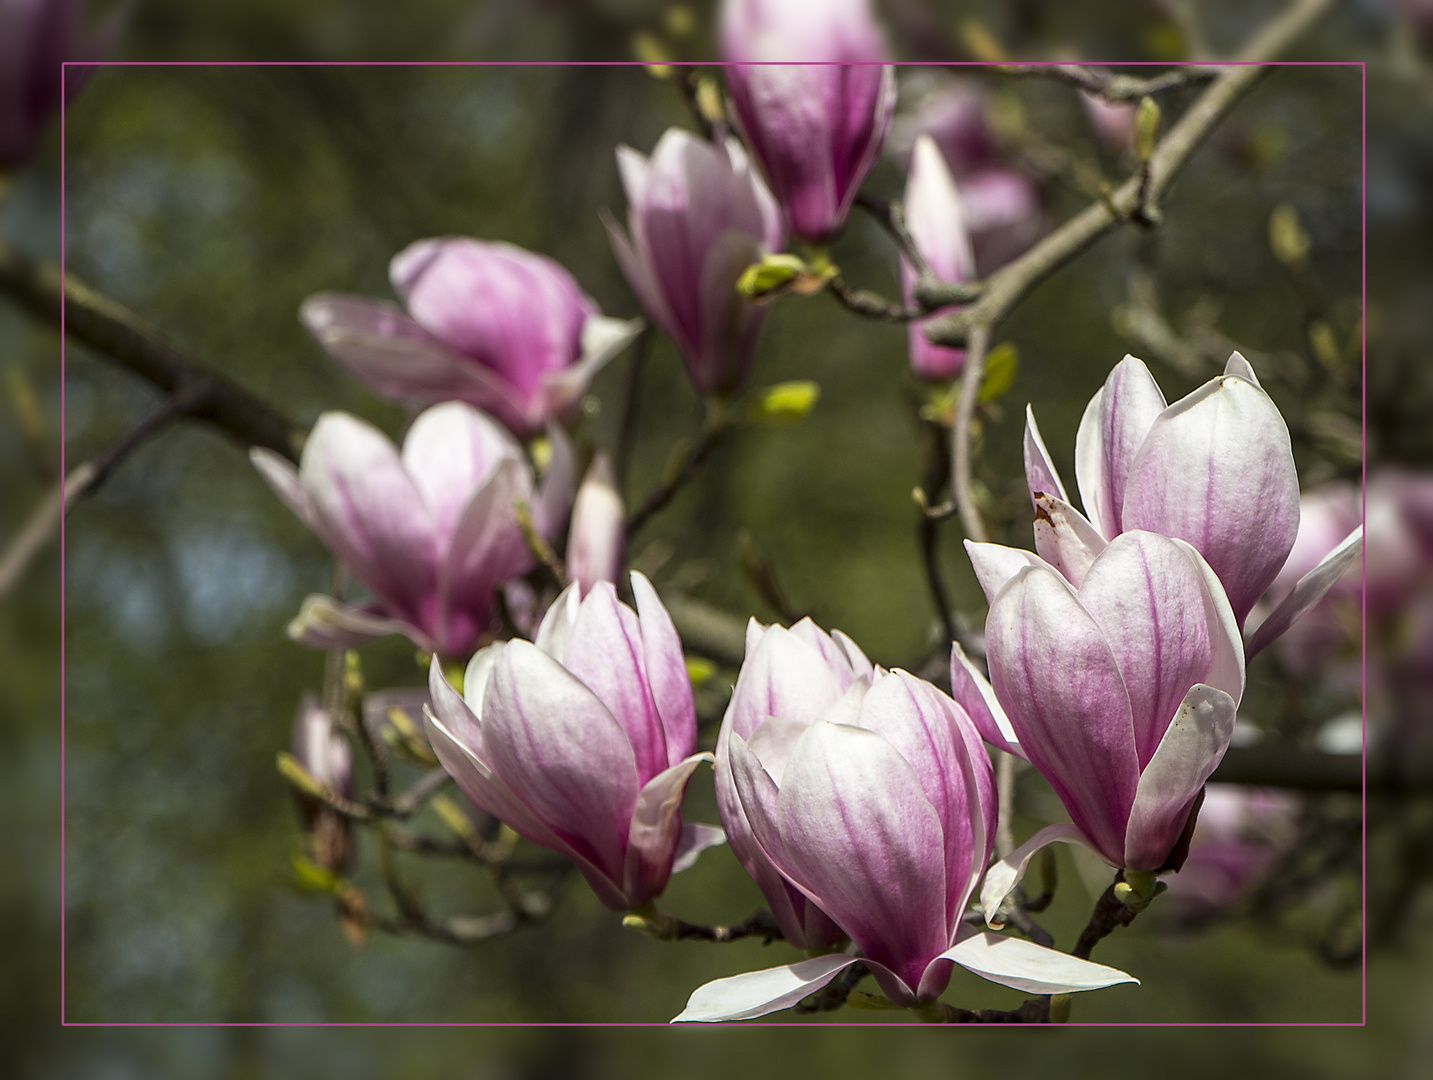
column 213, row 200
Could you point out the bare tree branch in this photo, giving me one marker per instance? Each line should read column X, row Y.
column 1109, row 85
column 109, row 328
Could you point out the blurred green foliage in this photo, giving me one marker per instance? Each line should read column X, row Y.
column 212, row 200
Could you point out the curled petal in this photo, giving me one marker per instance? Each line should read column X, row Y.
column 1310, row 589
column 1028, row 967
column 695, row 839
column 756, row 993
column 1187, row 755
column 656, row 831
column 1001, row 879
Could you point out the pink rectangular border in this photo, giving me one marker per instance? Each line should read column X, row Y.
column 1363, row 646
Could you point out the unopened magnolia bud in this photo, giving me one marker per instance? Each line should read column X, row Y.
column 788, row 400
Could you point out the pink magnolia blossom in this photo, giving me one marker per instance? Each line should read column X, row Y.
column 431, row 530
column 1121, row 690
column 583, row 740
column 487, row 323
column 320, row 747
column 870, row 794
column 812, row 99
column 698, row 216
column 1215, row 468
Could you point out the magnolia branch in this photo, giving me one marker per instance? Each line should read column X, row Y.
column 1108, row 85
column 109, row 328
column 1135, row 200
column 686, row 460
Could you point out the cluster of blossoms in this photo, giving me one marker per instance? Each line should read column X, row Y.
column 861, row 800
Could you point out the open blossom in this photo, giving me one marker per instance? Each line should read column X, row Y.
column 936, row 219
column 598, row 532
column 698, row 215
column 812, row 99
column 583, row 740
column 432, row 531
column 877, row 804
column 1215, row 469
column 1120, row 690
column 487, row 323
column 36, row 37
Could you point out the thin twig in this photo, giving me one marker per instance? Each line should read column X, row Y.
column 1012, row 282
column 871, row 304
column 970, row 377
column 106, row 326
column 44, row 522
column 834, row 994
column 1107, row 84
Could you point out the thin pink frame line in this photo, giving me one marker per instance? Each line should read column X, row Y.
column 1363, row 647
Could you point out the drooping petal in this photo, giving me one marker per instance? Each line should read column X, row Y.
column 1064, row 538
column 756, row 993
column 974, row 694
column 1188, row 754
column 1040, row 473
column 1217, row 470
column 324, row 623
column 666, row 667
column 284, row 480
column 551, row 739
column 1310, row 589
column 1111, row 432
column 696, row 838
column 1149, row 600
column 1001, row 879
column 603, row 340
column 1053, row 670
column 656, row 831
column 1028, row 967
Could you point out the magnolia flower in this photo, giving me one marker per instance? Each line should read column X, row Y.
column 799, row 675
column 1121, row 690
column 583, row 740
column 431, row 531
column 1215, row 469
column 486, row 323
column 936, row 220
column 812, row 99
column 599, row 528
column 698, row 216
column 322, row 750
column 878, row 805
column 36, row 37
column 1001, row 205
